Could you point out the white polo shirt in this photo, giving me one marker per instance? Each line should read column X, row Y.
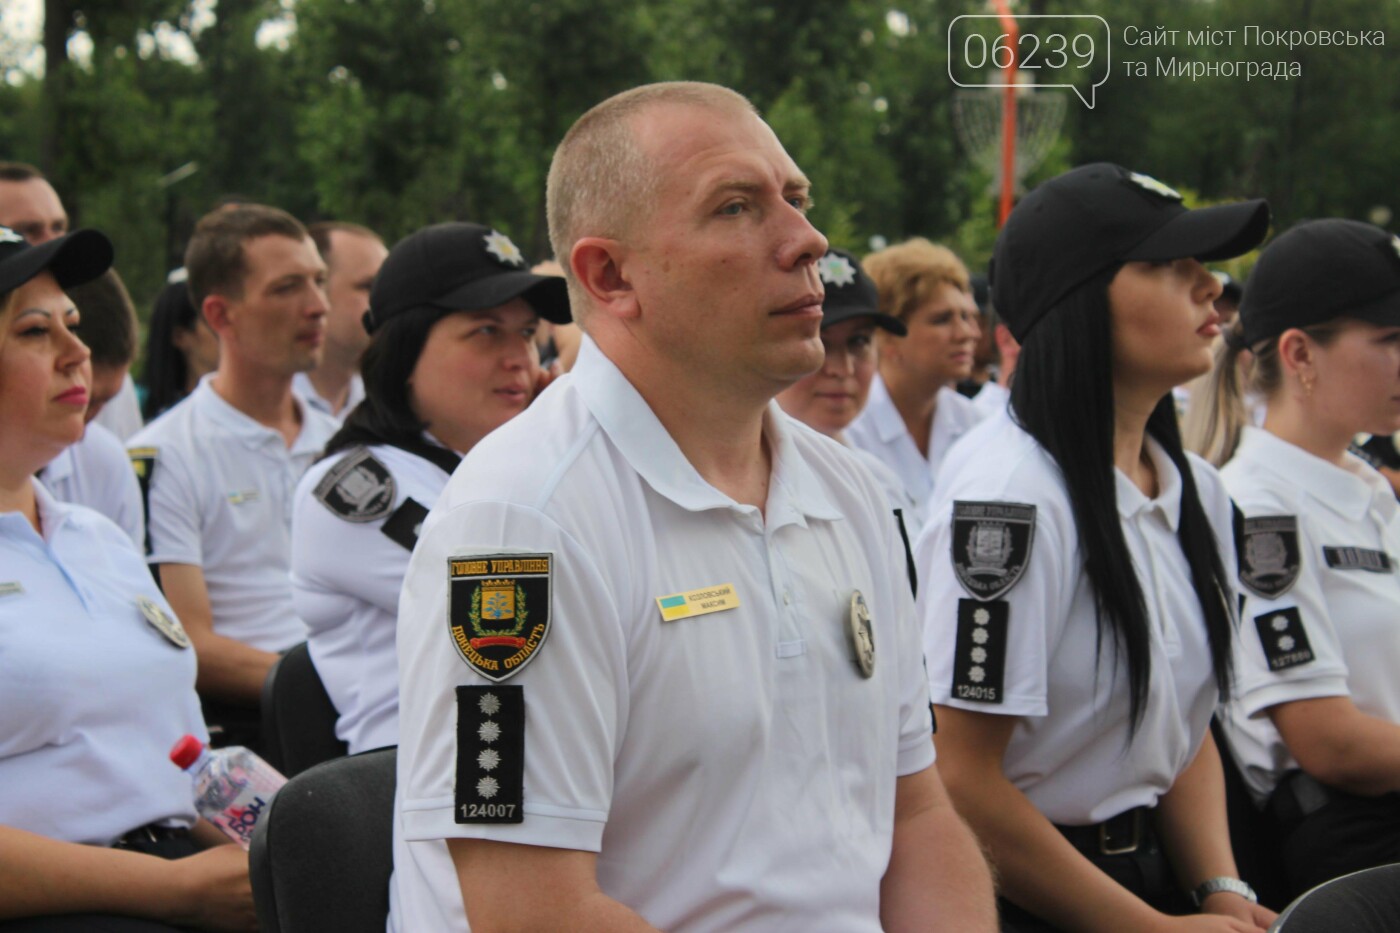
column 733, row 770
column 352, row 535
column 1029, row 651
column 993, row 398
column 92, row 696
column 122, row 413
column 95, row 472
column 1321, row 609
column 880, row 430
column 219, row 491
column 306, row 391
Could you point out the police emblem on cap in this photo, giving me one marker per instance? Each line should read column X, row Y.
column 498, row 609
column 359, row 488
column 836, row 270
column 1149, row 183
column 1269, row 555
column 9, row 236
column 991, row 545
column 500, row 246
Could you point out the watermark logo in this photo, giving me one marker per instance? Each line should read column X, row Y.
column 1071, row 52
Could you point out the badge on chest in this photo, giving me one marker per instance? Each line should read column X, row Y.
column 163, row 622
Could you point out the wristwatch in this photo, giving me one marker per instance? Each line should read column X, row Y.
column 1223, row 883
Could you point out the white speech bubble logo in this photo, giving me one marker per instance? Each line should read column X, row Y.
column 1045, row 49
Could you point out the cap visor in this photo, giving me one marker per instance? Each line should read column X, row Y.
column 547, row 294
column 1208, row 233
column 79, row 257
column 839, row 313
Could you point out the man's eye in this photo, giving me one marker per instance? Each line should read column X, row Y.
column 732, row 209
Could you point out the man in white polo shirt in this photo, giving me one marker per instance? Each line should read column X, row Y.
column 700, row 602
column 353, row 255
column 218, row 470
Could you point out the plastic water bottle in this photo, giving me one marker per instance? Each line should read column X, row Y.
column 232, row 786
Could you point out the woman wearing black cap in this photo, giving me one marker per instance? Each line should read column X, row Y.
column 452, row 318
column 1315, row 723
column 1080, row 639
column 96, row 676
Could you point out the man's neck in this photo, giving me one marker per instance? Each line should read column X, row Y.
column 332, row 381
column 264, row 396
column 719, row 429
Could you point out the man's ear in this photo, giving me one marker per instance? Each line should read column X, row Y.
column 216, row 313
column 598, row 267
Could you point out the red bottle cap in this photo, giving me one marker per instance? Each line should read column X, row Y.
column 186, row 751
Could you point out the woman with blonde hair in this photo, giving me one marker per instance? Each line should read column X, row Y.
column 1315, row 721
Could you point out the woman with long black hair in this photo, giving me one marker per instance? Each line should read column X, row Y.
column 1079, row 641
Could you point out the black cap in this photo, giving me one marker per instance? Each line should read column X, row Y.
column 79, row 257
column 1320, row 270
column 850, row 293
column 1091, row 218
column 1230, row 289
column 460, row 267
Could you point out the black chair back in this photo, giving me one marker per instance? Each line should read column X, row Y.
column 321, row 858
column 1363, row 902
column 298, row 717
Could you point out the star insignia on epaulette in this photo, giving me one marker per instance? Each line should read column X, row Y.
column 500, row 246
column 1156, row 187
column 836, row 270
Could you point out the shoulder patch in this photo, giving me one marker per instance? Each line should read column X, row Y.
column 1284, row 639
column 991, row 545
column 1357, row 558
column 498, row 610
column 143, row 461
column 403, row 526
column 1269, row 555
column 358, row 488
column 490, row 781
column 979, row 661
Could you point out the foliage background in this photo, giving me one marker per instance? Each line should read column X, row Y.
column 398, row 113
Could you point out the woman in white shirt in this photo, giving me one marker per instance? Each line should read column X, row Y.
column 1315, row 722
column 452, row 357
column 1080, row 639
column 98, row 830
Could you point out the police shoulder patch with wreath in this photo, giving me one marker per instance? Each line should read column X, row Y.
column 498, row 610
column 1268, row 554
column 358, row 488
column 991, row 545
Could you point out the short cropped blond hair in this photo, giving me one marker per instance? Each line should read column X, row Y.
column 600, row 181
column 908, row 274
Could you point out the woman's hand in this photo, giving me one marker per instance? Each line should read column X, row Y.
column 213, row 890
column 1226, row 904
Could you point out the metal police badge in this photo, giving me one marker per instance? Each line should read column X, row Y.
column 359, row 488
column 991, row 545
column 1269, row 555
column 862, row 635
column 9, row 236
column 498, row 609
column 163, row 622
column 500, row 246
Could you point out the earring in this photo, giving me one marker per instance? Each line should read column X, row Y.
column 1308, row 379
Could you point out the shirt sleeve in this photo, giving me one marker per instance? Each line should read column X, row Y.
column 916, row 749
column 993, row 655
column 574, row 690
column 1287, row 647
column 175, row 522
column 332, row 557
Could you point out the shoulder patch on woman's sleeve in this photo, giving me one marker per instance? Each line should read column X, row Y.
column 1268, row 554
column 359, row 488
column 991, row 545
